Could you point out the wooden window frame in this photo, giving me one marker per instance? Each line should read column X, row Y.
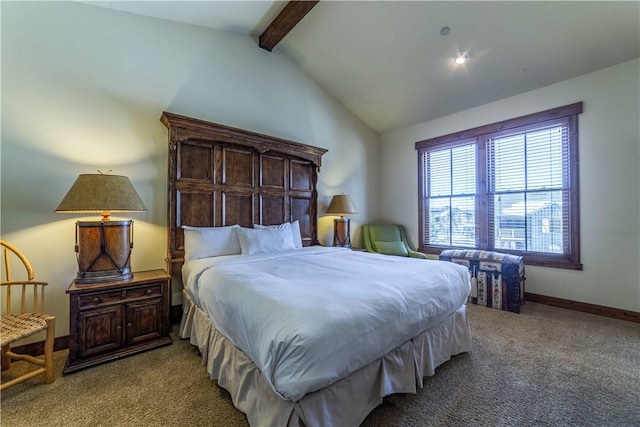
column 568, row 260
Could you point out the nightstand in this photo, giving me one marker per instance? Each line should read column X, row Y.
column 111, row 320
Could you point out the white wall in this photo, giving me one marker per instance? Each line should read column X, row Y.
column 609, row 142
column 83, row 88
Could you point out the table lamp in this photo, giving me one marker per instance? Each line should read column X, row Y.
column 103, row 248
column 341, row 204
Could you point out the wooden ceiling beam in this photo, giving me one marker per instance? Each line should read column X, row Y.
column 292, row 13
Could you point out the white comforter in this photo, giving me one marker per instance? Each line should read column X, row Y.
column 311, row 316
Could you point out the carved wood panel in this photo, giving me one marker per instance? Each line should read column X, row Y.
column 272, row 210
column 237, row 167
column 237, row 209
column 301, row 176
column 101, row 330
column 222, row 176
column 144, row 320
column 272, row 171
column 195, row 162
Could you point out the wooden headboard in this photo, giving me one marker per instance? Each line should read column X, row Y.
column 219, row 175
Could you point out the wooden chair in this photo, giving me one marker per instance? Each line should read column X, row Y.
column 14, row 327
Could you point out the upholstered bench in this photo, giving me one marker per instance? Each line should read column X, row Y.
column 497, row 280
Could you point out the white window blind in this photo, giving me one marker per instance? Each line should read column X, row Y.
column 451, row 195
column 528, row 172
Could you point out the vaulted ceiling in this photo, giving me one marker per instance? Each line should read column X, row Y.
column 388, row 62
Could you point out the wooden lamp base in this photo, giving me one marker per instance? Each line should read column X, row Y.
column 341, row 232
column 103, row 250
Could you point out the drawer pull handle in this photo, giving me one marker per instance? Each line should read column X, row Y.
column 149, row 291
column 96, row 300
column 129, row 325
column 124, row 293
column 119, row 327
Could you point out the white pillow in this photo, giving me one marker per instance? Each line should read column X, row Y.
column 203, row 242
column 271, row 239
column 295, row 231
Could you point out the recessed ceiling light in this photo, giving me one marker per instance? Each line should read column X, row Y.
column 461, row 57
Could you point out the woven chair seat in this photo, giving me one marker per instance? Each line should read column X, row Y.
column 18, row 326
column 14, row 326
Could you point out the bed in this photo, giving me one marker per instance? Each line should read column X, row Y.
column 298, row 334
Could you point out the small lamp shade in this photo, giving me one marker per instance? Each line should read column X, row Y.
column 341, row 204
column 103, row 247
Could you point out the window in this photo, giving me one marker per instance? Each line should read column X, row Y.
column 510, row 187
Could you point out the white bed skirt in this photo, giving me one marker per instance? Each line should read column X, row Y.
column 344, row 403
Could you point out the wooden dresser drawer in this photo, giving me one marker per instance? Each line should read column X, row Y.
column 96, row 299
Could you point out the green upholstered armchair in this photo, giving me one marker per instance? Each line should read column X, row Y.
column 388, row 239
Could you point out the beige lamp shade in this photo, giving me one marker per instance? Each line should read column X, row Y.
column 341, row 204
column 101, row 193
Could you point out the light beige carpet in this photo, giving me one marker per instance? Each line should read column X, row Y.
column 544, row 367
